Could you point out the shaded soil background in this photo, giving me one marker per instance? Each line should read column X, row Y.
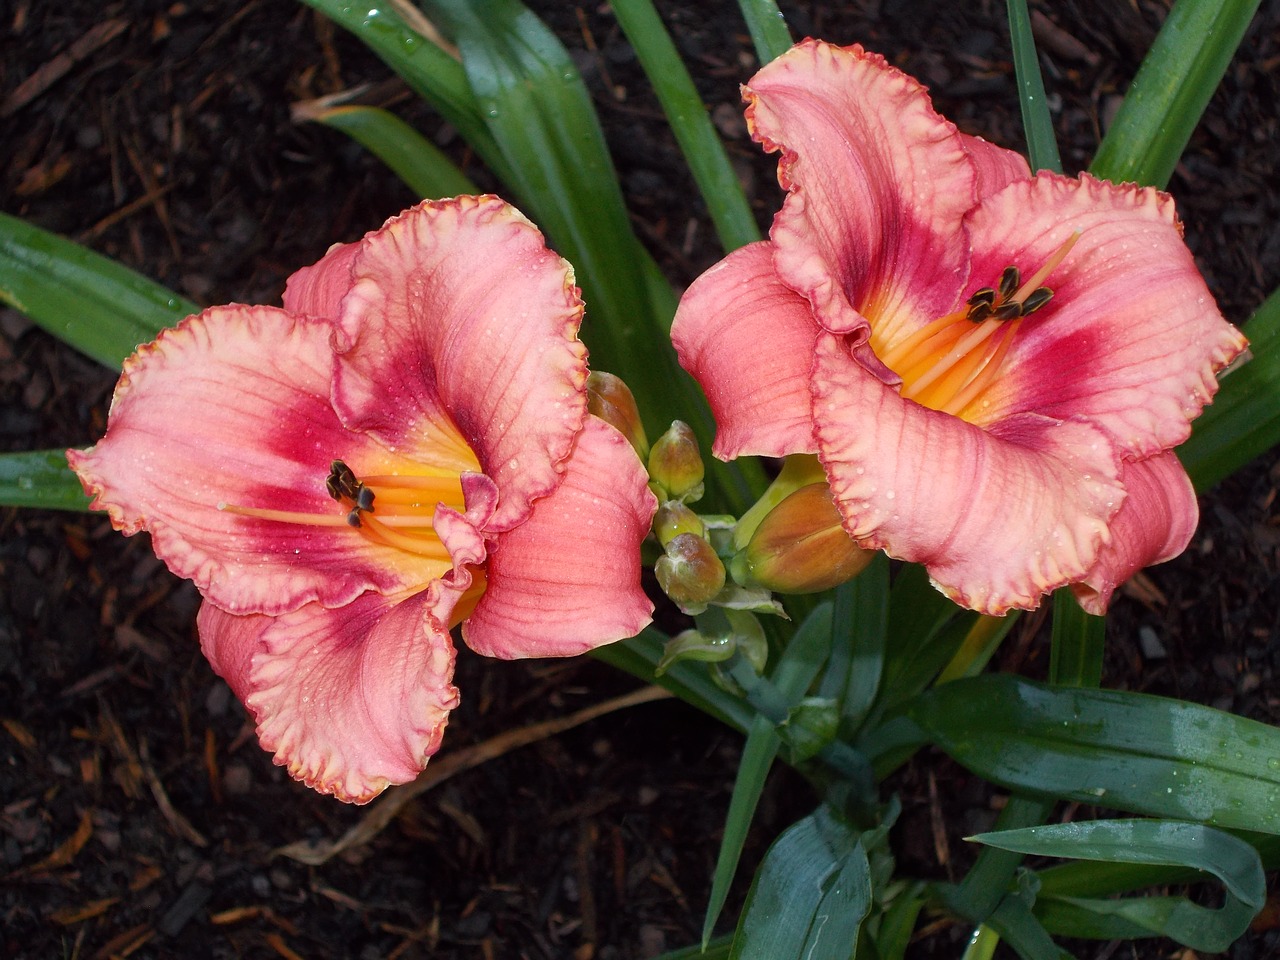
column 137, row 814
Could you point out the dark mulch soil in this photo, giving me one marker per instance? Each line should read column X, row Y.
column 138, row 816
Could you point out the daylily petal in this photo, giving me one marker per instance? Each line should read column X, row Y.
column 317, row 290
column 209, row 414
column 878, row 185
column 462, row 326
column 748, row 339
column 995, row 167
column 568, row 578
column 1154, row 524
column 1131, row 338
column 999, row 517
column 350, row 700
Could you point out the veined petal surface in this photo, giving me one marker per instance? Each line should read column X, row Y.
column 995, row 167
column 748, row 339
column 232, row 407
column 317, row 290
column 350, row 699
column 878, row 184
column 1155, row 524
column 1131, row 339
column 999, row 517
column 567, row 580
column 460, row 323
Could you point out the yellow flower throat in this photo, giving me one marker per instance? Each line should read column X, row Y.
column 948, row 364
column 392, row 510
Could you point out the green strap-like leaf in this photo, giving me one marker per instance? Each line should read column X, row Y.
column 1244, row 419
column 1076, row 660
column 1174, row 843
column 1018, row 927
column 40, row 478
column 897, row 925
column 1042, row 145
column 433, row 73
column 800, row 663
column 980, row 643
column 984, row 887
column 859, row 634
column 1172, row 89
column 687, row 115
column 810, row 895
column 769, row 33
column 1098, row 879
column 411, row 156
column 1127, row 751
column 94, row 304
column 925, row 630
column 1077, row 643
column 758, row 754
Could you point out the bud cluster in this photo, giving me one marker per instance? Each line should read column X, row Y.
column 791, row 541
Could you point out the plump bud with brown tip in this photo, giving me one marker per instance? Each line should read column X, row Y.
column 800, row 546
column 690, row 573
column 675, row 464
column 610, row 399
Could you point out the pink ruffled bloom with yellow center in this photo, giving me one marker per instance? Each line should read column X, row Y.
column 1009, row 429
column 404, row 447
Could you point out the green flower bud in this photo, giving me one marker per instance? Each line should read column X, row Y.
column 800, row 546
column 610, row 399
column 798, row 470
column 690, row 573
column 674, row 518
column 675, row 464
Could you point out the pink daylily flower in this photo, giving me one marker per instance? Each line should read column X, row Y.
column 1011, row 442
column 402, row 448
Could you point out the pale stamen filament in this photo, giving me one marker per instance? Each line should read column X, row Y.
column 985, row 377
column 966, row 370
column 957, row 353
column 420, row 521
column 893, row 355
column 939, row 345
column 405, row 507
column 418, row 545
column 1050, row 265
column 948, row 363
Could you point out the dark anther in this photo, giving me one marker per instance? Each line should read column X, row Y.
column 985, row 295
column 980, row 304
column 1008, row 311
column 342, row 484
column 979, row 312
column 1009, row 282
column 341, row 481
column 1037, row 299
